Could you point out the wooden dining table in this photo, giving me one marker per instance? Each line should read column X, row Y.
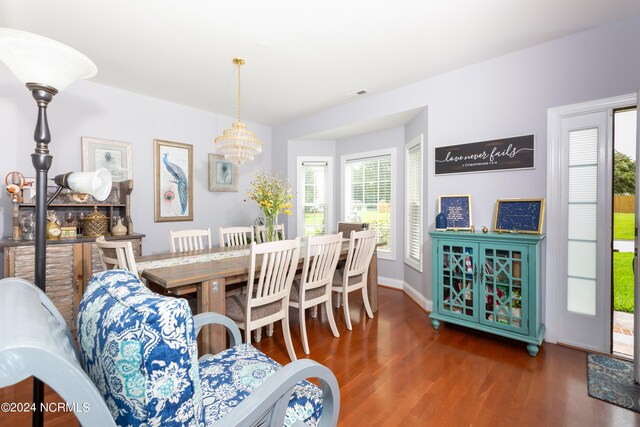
column 208, row 280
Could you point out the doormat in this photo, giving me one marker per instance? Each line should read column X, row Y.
column 611, row 380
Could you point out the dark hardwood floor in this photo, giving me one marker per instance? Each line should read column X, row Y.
column 395, row 370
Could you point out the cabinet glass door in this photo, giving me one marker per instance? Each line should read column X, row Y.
column 457, row 290
column 503, row 287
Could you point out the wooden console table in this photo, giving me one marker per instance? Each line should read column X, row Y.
column 70, row 265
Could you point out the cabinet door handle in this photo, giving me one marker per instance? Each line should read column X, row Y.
column 475, row 272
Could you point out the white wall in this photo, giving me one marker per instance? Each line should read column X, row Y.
column 498, row 98
column 89, row 109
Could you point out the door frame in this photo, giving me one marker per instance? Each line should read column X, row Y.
column 556, row 259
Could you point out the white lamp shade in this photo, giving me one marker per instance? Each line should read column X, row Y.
column 97, row 183
column 36, row 59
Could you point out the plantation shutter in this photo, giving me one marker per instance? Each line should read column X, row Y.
column 413, row 226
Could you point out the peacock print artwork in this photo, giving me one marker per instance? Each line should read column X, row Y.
column 173, row 166
column 180, row 180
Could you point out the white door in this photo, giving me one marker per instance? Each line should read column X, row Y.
column 636, row 270
column 579, row 191
column 585, row 294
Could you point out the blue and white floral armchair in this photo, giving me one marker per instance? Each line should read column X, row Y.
column 139, row 352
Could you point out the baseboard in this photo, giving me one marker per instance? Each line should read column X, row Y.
column 390, row 283
column 424, row 303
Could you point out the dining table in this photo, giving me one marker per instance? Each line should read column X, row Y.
column 206, row 274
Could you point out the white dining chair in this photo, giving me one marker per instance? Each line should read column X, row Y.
column 267, row 298
column 235, row 236
column 189, row 240
column 116, row 254
column 362, row 245
column 260, row 233
column 313, row 288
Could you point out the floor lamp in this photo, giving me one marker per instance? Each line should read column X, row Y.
column 45, row 67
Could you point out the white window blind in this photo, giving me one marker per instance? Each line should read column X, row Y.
column 581, row 230
column 313, row 198
column 369, row 198
column 413, row 189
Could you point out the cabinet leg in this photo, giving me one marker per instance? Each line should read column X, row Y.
column 532, row 349
column 435, row 323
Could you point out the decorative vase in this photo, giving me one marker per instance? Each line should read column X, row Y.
column 119, row 229
column 441, row 221
column 271, row 221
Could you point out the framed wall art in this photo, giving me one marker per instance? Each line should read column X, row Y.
column 223, row 175
column 173, row 183
column 517, row 152
column 457, row 209
column 519, row 216
column 103, row 153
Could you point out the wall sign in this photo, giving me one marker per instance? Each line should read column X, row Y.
column 498, row 154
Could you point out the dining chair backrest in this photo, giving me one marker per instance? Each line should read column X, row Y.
column 260, row 234
column 314, row 286
column 347, row 227
column 116, row 254
column 235, row 236
column 362, row 245
column 189, row 240
column 320, row 262
column 277, row 263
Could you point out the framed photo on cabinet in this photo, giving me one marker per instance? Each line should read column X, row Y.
column 519, row 216
column 457, row 210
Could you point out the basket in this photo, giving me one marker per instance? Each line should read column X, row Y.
column 95, row 224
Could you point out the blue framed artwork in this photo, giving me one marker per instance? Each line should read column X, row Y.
column 519, row 216
column 457, row 210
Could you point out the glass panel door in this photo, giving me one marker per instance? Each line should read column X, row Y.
column 503, row 288
column 458, row 280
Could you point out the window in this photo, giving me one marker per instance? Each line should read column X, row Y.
column 368, row 194
column 315, row 195
column 413, row 197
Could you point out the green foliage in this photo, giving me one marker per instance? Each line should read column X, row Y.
column 623, row 282
column 624, row 174
column 271, row 192
column 623, row 226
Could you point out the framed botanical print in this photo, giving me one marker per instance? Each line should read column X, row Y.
column 173, row 183
column 223, row 175
column 112, row 155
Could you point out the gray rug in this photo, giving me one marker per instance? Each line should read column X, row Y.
column 611, row 380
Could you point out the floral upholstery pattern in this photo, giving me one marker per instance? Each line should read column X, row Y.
column 140, row 351
column 230, row 376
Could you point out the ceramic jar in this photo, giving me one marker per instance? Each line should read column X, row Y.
column 119, row 229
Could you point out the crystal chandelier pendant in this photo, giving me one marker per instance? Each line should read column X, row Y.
column 238, row 144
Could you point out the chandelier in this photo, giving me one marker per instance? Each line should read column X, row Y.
column 239, row 144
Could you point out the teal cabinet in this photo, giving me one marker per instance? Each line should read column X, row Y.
column 489, row 282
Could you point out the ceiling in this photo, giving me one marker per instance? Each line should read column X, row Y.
column 301, row 56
